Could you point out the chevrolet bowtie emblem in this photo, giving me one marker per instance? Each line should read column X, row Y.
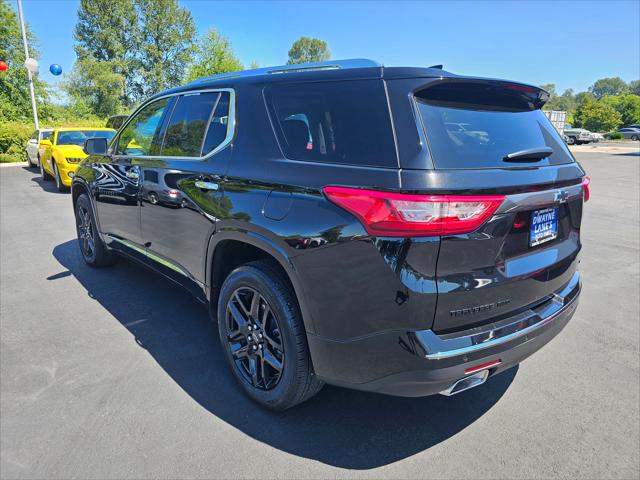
column 561, row 196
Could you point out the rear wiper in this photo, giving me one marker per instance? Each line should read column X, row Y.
column 531, row 154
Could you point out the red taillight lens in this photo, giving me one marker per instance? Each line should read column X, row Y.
column 403, row 215
column 586, row 188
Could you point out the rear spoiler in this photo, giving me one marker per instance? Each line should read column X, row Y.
column 483, row 94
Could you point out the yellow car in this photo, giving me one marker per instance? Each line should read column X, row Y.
column 63, row 151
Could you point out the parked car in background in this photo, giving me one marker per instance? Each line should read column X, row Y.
column 34, row 146
column 62, row 152
column 597, row 137
column 116, row 121
column 577, row 136
column 398, row 230
column 628, row 133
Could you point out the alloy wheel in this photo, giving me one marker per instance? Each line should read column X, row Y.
column 254, row 338
column 85, row 232
column 57, row 175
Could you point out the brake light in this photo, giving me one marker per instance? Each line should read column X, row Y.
column 404, row 215
column 586, row 188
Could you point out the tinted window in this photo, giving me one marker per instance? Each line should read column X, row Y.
column 77, row 137
column 46, row 135
column 477, row 128
column 336, row 122
column 138, row 137
column 217, row 130
column 185, row 131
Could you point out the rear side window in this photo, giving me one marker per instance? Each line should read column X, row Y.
column 476, row 125
column 334, row 122
column 218, row 125
column 185, row 132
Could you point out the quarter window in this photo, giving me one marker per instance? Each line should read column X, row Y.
column 140, row 135
column 334, row 122
column 218, row 126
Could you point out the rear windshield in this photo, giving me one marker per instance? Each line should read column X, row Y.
column 477, row 127
column 334, row 122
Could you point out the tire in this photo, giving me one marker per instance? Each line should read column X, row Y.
column 43, row 173
column 260, row 342
column 571, row 141
column 635, row 138
column 94, row 252
column 59, row 185
column 29, row 162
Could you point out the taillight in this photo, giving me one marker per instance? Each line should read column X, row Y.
column 586, row 188
column 404, row 215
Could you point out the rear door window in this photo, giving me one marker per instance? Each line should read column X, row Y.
column 186, row 129
column 476, row 126
column 334, row 122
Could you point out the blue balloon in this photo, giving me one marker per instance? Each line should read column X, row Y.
column 55, row 69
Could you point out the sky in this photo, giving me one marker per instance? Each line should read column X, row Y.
column 571, row 43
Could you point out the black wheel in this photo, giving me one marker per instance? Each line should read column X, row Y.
column 264, row 340
column 93, row 249
column 571, row 141
column 29, row 162
column 43, row 172
column 56, row 175
column 635, row 138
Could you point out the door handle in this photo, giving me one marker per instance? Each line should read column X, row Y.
column 207, row 185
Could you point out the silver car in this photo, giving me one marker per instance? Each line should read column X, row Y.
column 33, row 145
column 630, row 133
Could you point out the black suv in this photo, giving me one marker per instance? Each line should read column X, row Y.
column 399, row 230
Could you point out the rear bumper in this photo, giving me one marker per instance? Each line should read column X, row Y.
column 423, row 363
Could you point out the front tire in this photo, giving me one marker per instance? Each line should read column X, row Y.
column 571, row 141
column 56, row 175
column 263, row 337
column 43, row 173
column 94, row 252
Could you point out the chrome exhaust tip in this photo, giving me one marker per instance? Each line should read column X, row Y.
column 466, row 383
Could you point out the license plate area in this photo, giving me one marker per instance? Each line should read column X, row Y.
column 544, row 226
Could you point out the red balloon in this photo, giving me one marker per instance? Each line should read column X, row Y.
column 3, row 66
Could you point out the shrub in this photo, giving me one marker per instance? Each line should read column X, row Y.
column 616, row 136
column 13, row 140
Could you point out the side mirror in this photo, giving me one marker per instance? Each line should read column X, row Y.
column 45, row 142
column 95, row 146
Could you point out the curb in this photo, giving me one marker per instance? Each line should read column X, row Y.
column 14, row 164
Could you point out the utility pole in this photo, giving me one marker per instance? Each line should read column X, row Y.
column 26, row 55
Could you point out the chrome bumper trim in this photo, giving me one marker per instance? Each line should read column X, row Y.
column 440, row 347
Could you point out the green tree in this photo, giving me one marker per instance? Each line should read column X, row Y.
column 597, row 116
column 167, row 33
column 213, row 55
column 634, row 87
column 95, row 87
column 15, row 101
column 307, row 49
column 627, row 105
column 253, row 65
column 608, row 86
column 108, row 31
column 565, row 102
column 550, row 88
column 582, row 97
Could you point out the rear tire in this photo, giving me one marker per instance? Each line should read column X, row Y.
column 94, row 252
column 635, row 138
column 263, row 337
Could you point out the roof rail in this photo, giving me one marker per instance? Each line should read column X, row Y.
column 294, row 68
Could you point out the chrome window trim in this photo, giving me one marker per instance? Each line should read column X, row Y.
column 231, row 126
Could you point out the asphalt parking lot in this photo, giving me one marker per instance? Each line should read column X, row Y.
column 118, row 374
